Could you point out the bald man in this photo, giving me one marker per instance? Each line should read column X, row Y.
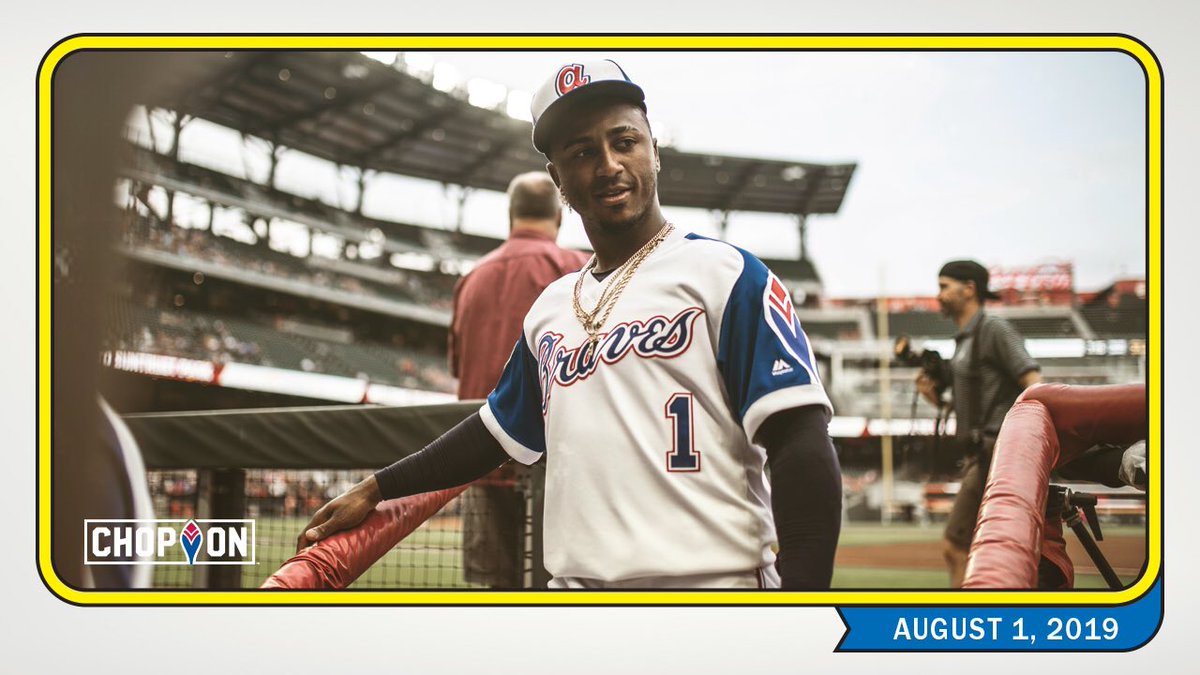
column 489, row 305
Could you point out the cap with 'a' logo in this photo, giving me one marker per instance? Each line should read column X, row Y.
column 575, row 82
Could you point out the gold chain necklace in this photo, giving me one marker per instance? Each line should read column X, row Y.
column 594, row 320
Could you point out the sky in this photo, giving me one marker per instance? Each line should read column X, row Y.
column 1012, row 159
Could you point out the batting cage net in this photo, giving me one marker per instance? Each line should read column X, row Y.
column 277, row 467
column 280, row 502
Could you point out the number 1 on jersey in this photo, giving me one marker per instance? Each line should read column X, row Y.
column 683, row 455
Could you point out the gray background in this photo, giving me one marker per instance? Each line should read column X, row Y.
column 43, row 634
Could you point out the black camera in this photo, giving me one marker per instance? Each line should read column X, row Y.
column 930, row 362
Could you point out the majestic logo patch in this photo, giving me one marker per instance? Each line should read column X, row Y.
column 780, row 367
column 570, row 77
column 655, row 338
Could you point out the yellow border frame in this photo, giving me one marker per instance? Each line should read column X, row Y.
column 1120, row 43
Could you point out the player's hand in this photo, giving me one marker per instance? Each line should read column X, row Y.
column 346, row 510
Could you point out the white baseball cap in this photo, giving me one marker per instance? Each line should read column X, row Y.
column 574, row 82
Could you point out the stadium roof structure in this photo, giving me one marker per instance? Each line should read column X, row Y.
column 353, row 110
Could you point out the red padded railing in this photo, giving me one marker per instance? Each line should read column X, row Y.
column 1050, row 425
column 336, row 561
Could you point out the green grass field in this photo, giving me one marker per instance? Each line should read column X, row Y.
column 900, row 572
column 431, row 558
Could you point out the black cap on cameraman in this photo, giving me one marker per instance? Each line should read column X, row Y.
column 969, row 270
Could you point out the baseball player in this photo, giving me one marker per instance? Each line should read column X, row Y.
column 660, row 382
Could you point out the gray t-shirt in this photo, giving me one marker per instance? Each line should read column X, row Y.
column 1002, row 362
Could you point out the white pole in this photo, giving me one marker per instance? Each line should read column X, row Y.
column 885, row 398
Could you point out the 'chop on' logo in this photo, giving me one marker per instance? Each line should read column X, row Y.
column 204, row 541
column 191, row 538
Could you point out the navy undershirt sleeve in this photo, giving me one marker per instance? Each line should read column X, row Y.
column 457, row 457
column 806, row 495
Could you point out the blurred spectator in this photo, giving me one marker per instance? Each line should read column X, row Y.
column 489, row 305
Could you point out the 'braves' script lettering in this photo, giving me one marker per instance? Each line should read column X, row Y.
column 655, row 338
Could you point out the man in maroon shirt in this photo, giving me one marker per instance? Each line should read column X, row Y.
column 489, row 305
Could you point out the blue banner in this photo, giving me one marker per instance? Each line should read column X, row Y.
column 1006, row 628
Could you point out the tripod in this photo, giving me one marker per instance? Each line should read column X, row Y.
column 1073, row 507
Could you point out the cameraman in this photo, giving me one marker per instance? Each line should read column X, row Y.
column 984, row 383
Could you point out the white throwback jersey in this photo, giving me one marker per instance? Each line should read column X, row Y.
column 650, row 469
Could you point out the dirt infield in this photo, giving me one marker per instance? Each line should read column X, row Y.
column 1125, row 553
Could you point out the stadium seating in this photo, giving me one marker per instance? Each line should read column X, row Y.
column 1045, row 327
column 1125, row 321
column 842, row 335
column 920, row 324
column 210, row 337
column 229, row 190
column 419, row 288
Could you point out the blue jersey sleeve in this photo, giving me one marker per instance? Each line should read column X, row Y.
column 513, row 412
column 763, row 354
